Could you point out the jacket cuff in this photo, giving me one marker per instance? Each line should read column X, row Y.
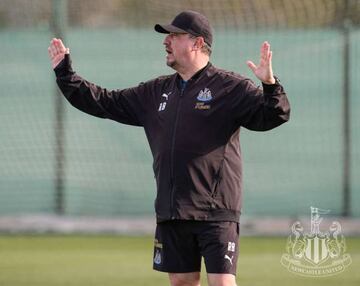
column 272, row 88
column 64, row 67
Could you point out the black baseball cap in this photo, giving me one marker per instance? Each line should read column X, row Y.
column 190, row 22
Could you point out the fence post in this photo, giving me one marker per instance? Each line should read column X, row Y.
column 58, row 25
column 346, row 25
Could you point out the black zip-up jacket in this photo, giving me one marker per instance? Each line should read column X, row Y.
column 193, row 133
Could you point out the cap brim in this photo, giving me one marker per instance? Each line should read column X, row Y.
column 167, row 29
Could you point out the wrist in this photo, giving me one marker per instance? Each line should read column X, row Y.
column 63, row 67
column 272, row 80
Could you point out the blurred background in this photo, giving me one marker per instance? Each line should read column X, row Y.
column 62, row 171
column 57, row 160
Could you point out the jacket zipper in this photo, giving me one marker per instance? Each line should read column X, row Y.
column 172, row 151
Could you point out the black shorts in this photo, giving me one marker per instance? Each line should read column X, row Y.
column 179, row 246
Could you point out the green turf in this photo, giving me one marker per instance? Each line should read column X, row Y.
column 115, row 260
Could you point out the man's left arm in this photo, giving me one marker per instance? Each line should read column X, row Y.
column 262, row 109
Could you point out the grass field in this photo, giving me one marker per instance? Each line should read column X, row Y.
column 117, row 260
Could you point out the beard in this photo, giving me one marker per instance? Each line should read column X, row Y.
column 171, row 63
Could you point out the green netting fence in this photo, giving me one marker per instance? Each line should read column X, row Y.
column 55, row 159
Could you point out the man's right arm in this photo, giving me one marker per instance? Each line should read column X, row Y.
column 123, row 106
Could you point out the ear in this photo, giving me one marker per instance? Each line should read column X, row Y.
column 198, row 44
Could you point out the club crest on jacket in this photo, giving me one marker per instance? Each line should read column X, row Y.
column 204, row 95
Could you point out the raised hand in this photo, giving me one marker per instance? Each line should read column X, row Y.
column 263, row 71
column 57, row 51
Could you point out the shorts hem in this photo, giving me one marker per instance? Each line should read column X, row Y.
column 221, row 272
column 176, row 271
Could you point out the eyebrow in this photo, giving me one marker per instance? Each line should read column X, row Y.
column 177, row 34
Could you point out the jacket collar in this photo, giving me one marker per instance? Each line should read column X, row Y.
column 196, row 76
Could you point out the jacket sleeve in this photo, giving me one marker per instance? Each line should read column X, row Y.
column 126, row 106
column 259, row 109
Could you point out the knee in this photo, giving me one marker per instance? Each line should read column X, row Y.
column 184, row 280
column 221, row 280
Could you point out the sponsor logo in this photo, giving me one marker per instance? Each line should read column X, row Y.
column 157, row 252
column 157, row 244
column 166, row 96
column 316, row 253
column 162, row 105
column 229, row 258
column 203, row 96
column 202, row 106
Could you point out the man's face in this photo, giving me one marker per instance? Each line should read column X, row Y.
column 178, row 48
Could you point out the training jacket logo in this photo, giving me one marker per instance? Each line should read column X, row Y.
column 229, row 258
column 166, row 95
column 204, row 95
column 162, row 105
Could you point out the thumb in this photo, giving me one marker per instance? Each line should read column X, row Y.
column 251, row 65
column 67, row 51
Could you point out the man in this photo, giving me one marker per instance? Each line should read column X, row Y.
column 192, row 120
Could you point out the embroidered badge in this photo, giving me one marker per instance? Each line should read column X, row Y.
column 204, row 95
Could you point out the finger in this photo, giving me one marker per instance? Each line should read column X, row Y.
column 269, row 52
column 50, row 53
column 265, row 51
column 67, row 51
column 270, row 61
column 60, row 46
column 57, row 47
column 53, row 50
column 53, row 45
column 52, row 42
column 251, row 65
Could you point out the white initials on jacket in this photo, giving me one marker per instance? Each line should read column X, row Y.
column 231, row 246
column 162, row 106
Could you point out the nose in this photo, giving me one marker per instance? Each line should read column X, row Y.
column 166, row 41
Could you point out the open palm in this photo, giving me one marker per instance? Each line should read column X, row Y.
column 57, row 51
column 263, row 71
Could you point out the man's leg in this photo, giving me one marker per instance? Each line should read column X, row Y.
column 176, row 252
column 219, row 244
column 185, row 279
column 221, row 279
